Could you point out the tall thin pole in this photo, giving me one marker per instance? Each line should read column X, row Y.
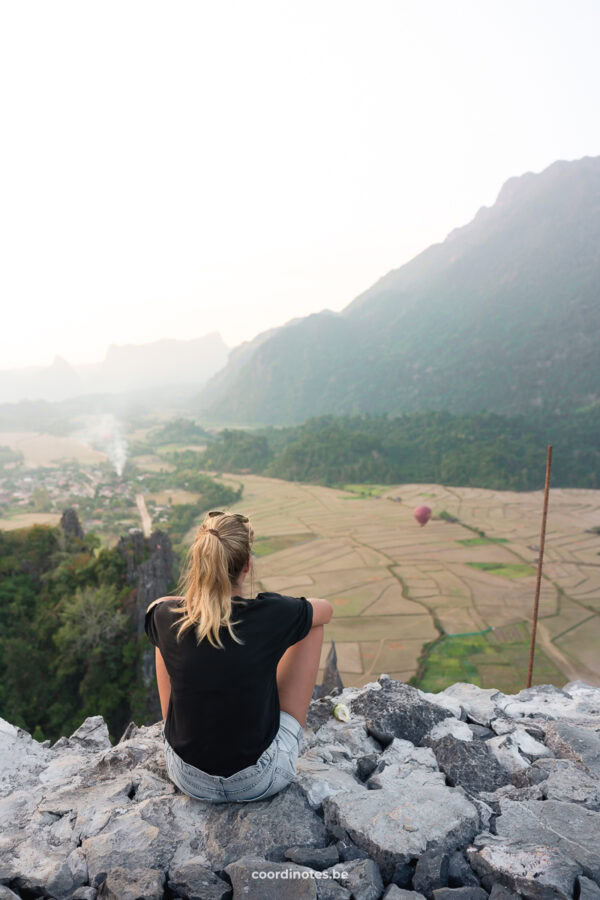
column 539, row 568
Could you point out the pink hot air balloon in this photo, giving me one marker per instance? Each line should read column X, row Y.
column 422, row 515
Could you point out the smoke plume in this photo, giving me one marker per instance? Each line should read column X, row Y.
column 105, row 433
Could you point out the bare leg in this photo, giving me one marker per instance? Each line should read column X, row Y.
column 297, row 674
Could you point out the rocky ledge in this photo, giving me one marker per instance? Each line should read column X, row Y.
column 467, row 793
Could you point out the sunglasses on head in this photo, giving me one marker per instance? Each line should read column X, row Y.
column 217, row 512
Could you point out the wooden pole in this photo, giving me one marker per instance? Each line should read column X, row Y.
column 539, row 568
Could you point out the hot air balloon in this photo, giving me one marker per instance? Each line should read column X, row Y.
column 422, row 514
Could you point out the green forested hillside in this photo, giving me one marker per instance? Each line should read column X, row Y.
column 69, row 645
column 488, row 450
column 67, row 639
column 504, row 316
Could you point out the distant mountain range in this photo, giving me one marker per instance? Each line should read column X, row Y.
column 504, row 315
column 127, row 368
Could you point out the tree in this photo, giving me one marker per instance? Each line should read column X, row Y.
column 94, row 659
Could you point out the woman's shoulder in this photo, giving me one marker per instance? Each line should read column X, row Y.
column 283, row 601
column 170, row 601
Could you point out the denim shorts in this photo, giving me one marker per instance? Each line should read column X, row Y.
column 273, row 771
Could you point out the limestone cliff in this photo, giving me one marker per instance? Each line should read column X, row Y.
column 467, row 793
column 149, row 566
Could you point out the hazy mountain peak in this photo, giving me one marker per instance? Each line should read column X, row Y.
column 59, row 363
column 125, row 367
column 502, row 315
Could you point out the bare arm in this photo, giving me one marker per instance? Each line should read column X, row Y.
column 162, row 676
column 322, row 610
column 164, row 683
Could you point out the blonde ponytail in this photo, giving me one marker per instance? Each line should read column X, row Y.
column 214, row 563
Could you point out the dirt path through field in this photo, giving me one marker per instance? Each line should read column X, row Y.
column 144, row 515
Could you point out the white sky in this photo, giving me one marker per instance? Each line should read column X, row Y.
column 169, row 169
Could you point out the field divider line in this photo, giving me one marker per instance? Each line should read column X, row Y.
column 557, row 587
column 571, row 627
column 406, row 595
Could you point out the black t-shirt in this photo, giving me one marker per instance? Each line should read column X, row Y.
column 224, row 706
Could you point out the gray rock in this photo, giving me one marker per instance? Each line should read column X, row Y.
column 580, row 744
column 499, row 892
column 409, row 756
column 547, row 701
column 570, row 828
column 586, row 695
column 403, row 875
column 21, row 758
column 539, row 844
column 319, row 776
column 393, row 892
column 351, row 737
column 332, row 683
column 366, row 765
column 481, row 705
column 529, row 744
column 70, row 524
column 45, row 864
column 78, row 816
column 469, row 764
column 149, row 565
column 508, row 753
column 462, row 731
column 531, row 869
column 461, row 893
column 256, row 878
column 92, row 734
column 314, row 857
column 17, row 810
column 7, row 894
column 442, row 698
column 133, row 840
column 460, row 873
column 482, row 732
column 130, row 732
column 192, row 880
column 588, row 889
column 133, row 884
column 523, row 728
column 94, row 807
column 348, row 850
column 363, row 878
column 333, row 753
column 332, row 890
column 415, row 811
column 565, row 780
column 319, row 712
column 265, row 827
column 397, row 710
column 431, row 872
column 83, row 893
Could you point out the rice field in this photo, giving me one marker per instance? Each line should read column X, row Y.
column 428, row 603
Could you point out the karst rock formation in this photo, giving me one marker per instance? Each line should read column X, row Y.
column 466, row 793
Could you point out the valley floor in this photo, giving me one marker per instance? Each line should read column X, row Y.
column 441, row 603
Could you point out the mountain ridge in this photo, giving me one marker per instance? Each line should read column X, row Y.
column 125, row 367
column 502, row 315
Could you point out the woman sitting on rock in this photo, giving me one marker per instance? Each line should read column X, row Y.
column 235, row 676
